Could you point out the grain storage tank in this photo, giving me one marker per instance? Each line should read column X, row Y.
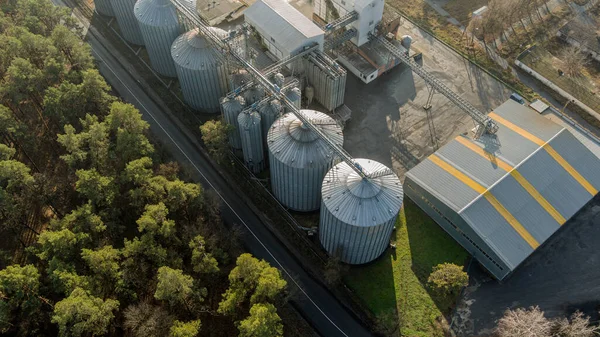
column 104, row 7
column 252, row 140
column 269, row 112
column 231, row 108
column 159, row 26
column 358, row 214
column 128, row 24
column 294, row 95
column 239, row 78
column 201, row 72
column 299, row 159
column 309, row 92
column 253, row 94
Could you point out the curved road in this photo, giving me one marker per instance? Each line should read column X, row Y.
column 318, row 306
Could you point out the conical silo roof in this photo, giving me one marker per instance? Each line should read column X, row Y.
column 295, row 145
column 192, row 51
column 360, row 201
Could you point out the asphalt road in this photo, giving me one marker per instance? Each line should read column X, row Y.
column 317, row 305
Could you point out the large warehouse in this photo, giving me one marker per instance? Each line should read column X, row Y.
column 503, row 196
column 284, row 30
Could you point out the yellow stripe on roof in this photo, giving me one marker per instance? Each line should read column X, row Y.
column 538, row 197
column 518, row 177
column 515, row 224
column 457, row 174
column 557, row 157
column 560, row 160
column 517, row 129
column 511, row 220
column 489, row 156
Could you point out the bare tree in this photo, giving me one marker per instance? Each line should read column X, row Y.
column 524, row 322
column 577, row 326
column 572, row 61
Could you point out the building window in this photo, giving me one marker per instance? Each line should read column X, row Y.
column 371, row 23
column 272, row 39
column 343, row 2
column 455, row 227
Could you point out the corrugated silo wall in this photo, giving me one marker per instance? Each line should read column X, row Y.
column 128, row 24
column 158, row 41
column 329, row 90
column 104, row 7
column 252, row 142
column 202, row 89
column 301, row 191
column 454, row 225
column 353, row 244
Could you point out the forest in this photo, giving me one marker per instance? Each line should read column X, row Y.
column 101, row 232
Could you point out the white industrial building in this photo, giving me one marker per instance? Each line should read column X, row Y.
column 283, row 29
column 369, row 14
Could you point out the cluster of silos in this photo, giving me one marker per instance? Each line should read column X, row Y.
column 159, row 26
column 201, row 71
column 299, row 158
column 250, row 131
column 327, row 78
column 123, row 11
column 358, row 214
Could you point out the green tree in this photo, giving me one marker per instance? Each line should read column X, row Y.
column 81, row 314
column 81, row 220
column 173, row 286
column 62, row 244
column 262, row 322
column 126, row 123
column 214, row 136
column 41, row 17
column 96, row 187
column 19, row 297
column 448, row 278
column 104, row 264
column 185, row 329
column 251, row 280
column 202, row 261
column 155, row 222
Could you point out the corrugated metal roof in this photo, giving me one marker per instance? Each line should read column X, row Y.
column 362, row 202
column 283, row 23
column 536, row 172
column 192, row 51
column 297, row 146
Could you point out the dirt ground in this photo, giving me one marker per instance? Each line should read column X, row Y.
column 388, row 121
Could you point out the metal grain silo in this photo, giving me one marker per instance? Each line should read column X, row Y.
column 358, row 214
column 269, row 112
column 252, row 142
column 294, row 95
column 299, row 159
column 253, row 94
column 104, row 7
column 128, row 24
column 201, row 72
column 159, row 26
column 231, row 108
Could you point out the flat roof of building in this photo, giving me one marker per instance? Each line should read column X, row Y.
column 282, row 22
column 515, row 188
